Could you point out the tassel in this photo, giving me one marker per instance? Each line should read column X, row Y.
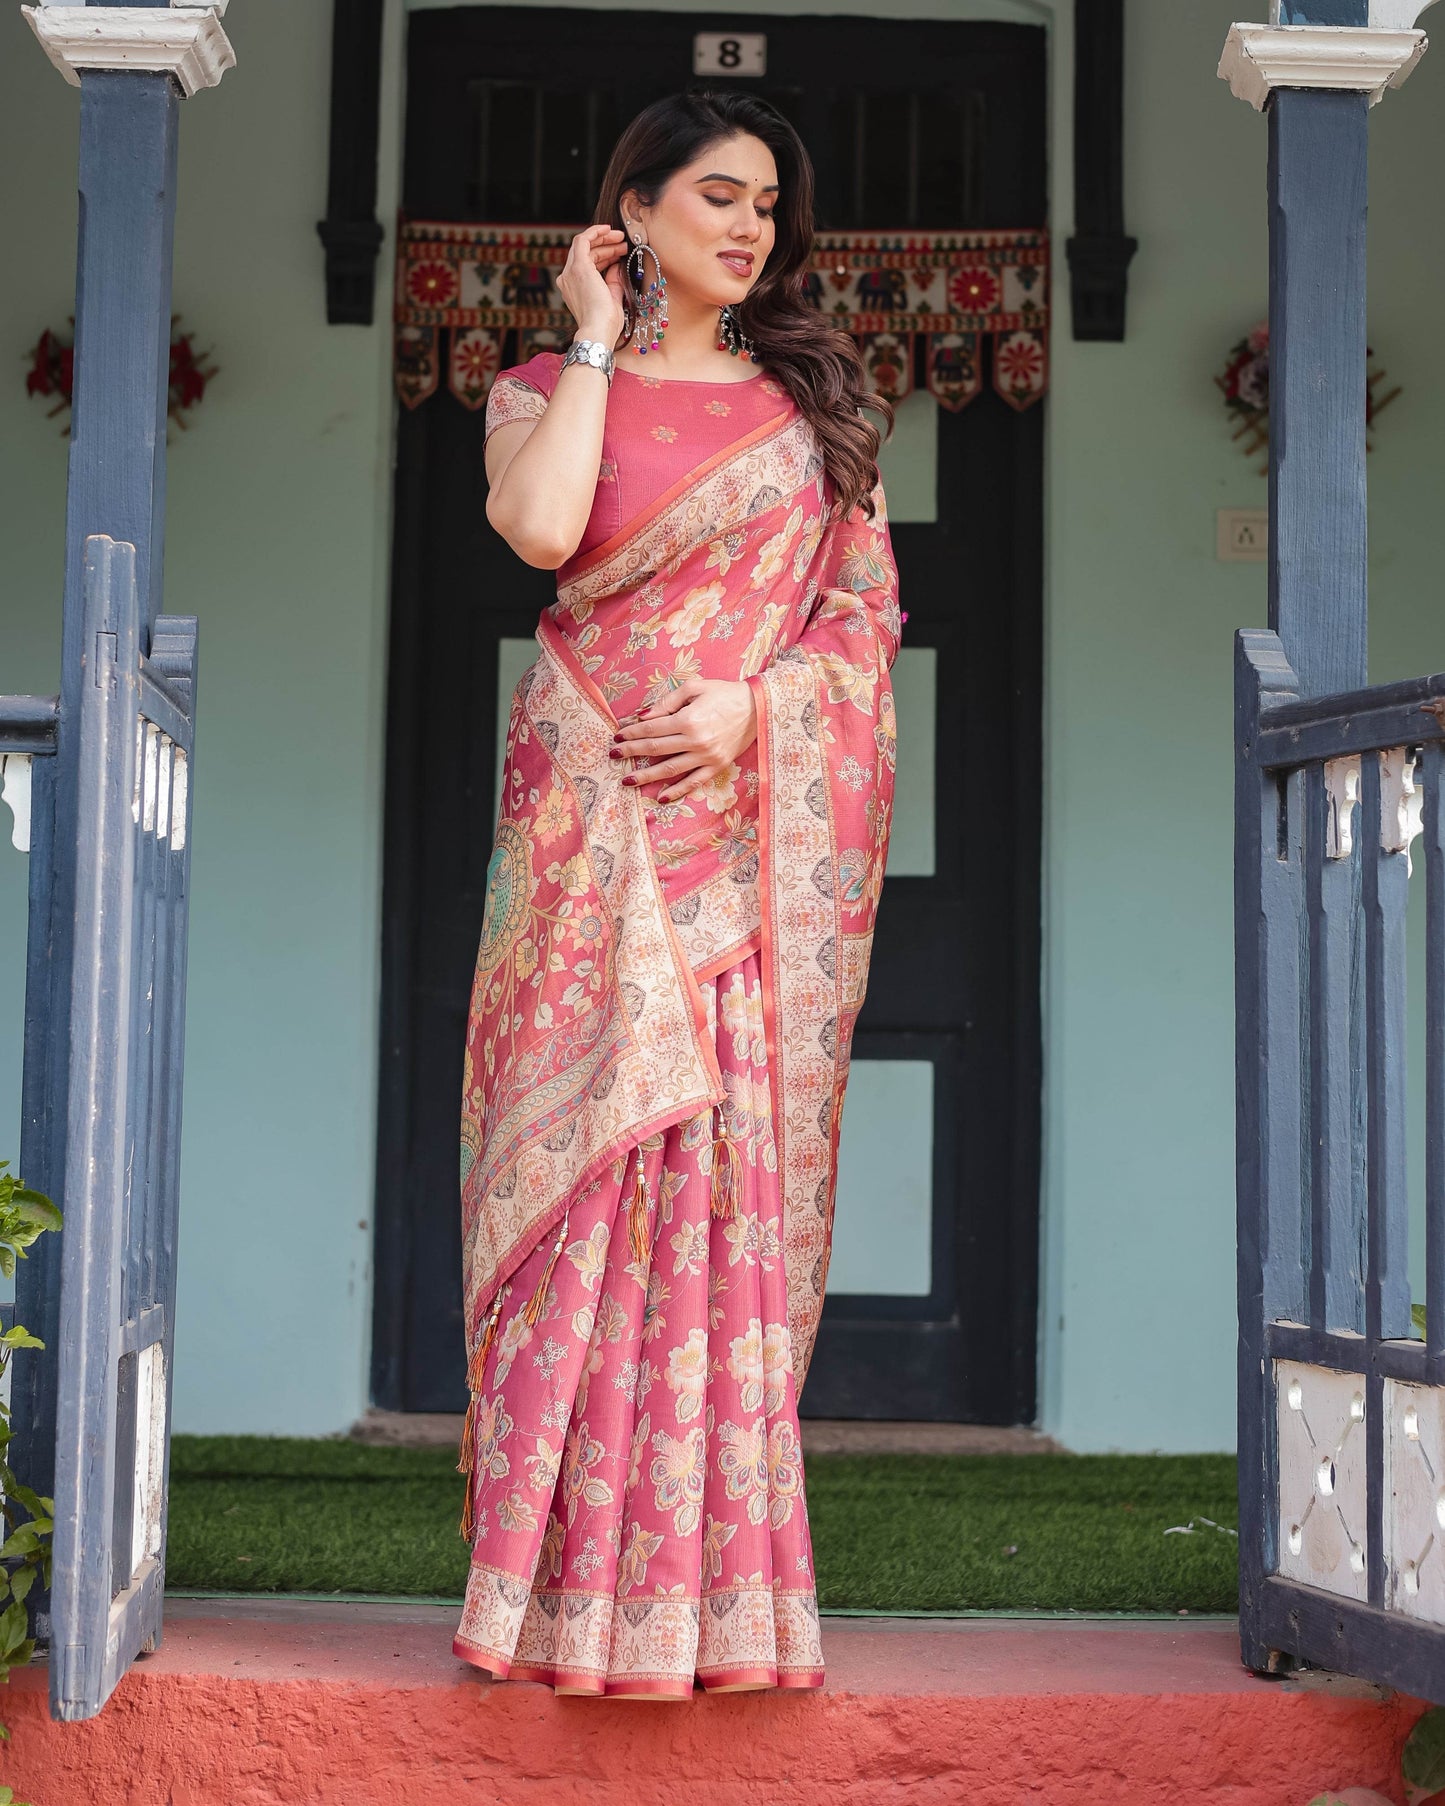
column 639, row 1230
column 478, row 1362
column 466, row 1464
column 537, row 1303
column 467, row 1454
column 727, row 1171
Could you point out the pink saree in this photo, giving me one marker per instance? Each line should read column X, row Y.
column 656, row 1058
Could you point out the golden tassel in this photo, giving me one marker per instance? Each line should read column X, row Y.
column 467, row 1455
column 538, row 1301
column 639, row 1229
column 466, row 1464
column 478, row 1361
column 727, row 1171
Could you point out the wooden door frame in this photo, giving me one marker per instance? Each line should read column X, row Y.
column 1099, row 252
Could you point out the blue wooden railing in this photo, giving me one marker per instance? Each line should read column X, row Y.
column 1341, row 1425
column 105, row 1009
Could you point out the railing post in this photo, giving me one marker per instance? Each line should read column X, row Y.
column 105, row 732
column 131, row 77
column 1317, row 67
column 1318, row 86
column 1317, row 541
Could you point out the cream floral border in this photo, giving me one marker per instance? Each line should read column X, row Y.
column 720, row 916
column 597, row 1635
column 668, row 1072
column 759, row 477
column 803, row 955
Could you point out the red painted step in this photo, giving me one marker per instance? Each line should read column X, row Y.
column 270, row 1702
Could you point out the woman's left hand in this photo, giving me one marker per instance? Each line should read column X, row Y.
column 695, row 732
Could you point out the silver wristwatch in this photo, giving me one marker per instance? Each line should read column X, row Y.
column 590, row 351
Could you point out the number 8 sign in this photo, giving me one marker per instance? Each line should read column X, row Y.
column 730, row 53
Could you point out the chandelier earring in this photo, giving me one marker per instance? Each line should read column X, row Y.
column 649, row 304
column 731, row 337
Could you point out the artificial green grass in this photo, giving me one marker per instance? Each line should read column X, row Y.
column 890, row 1532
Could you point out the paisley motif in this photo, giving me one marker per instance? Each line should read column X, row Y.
column 509, row 887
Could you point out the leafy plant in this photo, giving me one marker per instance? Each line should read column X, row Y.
column 1422, row 1761
column 25, row 1216
column 1422, row 1768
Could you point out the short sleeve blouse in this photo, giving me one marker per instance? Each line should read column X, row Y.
column 520, row 393
column 655, row 430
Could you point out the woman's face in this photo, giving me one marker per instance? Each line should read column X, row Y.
column 712, row 227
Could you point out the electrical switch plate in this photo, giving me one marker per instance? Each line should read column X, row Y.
column 1242, row 535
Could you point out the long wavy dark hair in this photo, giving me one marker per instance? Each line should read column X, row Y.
column 816, row 362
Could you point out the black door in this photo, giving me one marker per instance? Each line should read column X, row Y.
column 510, row 116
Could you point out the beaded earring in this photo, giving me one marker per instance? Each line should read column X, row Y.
column 649, row 305
column 731, row 337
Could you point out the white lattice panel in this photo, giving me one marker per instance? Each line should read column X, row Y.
column 1321, row 1417
column 1415, row 1501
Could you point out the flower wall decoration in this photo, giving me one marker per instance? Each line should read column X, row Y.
column 52, row 372
column 1244, row 384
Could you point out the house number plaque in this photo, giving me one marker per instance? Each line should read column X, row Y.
column 730, row 53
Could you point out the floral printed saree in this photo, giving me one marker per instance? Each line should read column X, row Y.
column 656, row 1057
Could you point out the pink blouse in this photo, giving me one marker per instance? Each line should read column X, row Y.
column 667, row 427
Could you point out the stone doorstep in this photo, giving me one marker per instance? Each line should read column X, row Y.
column 821, row 1435
column 262, row 1702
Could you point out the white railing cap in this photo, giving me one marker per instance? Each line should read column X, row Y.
column 187, row 42
column 1258, row 59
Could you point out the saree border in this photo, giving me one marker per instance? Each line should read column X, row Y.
column 673, row 1064
column 659, row 505
column 743, row 1634
column 780, row 455
column 802, row 971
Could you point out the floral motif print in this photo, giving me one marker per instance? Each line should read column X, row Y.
column 639, row 1321
column 744, row 1465
column 667, row 1511
column 678, row 1472
column 579, row 1484
column 745, row 1364
column 698, row 607
column 493, row 1428
column 687, row 1373
column 742, row 1017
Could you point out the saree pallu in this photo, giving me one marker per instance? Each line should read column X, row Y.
column 656, row 1057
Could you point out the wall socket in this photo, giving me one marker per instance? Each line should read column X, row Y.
column 1241, row 535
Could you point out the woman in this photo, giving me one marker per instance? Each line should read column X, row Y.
column 694, row 822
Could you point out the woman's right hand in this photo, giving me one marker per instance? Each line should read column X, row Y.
column 591, row 282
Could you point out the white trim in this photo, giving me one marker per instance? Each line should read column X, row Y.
column 1260, row 58
column 219, row 6
column 15, row 790
column 186, row 42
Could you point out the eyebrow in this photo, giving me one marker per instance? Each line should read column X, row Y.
column 738, row 182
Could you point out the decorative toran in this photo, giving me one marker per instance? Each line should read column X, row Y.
column 479, row 298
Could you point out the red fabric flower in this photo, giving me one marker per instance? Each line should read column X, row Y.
column 188, row 380
column 52, row 372
column 431, row 284
column 1021, row 362
column 973, row 290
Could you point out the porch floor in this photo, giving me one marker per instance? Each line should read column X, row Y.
column 269, row 1702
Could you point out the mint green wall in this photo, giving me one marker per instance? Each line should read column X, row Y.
column 279, row 506
column 278, row 536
